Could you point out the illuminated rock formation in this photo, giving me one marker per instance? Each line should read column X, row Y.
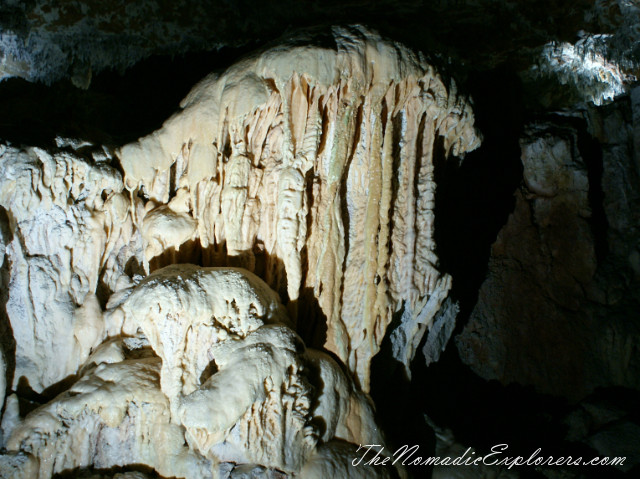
column 70, row 232
column 165, row 286
column 313, row 167
column 237, row 389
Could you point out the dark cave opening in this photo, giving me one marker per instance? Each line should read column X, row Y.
column 473, row 201
column 117, row 108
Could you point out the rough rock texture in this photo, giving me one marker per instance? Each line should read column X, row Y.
column 319, row 178
column 572, row 268
column 586, row 49
column 335, row 460
column 18, row 466
column 185, row 311
column 443, row 326
column 237, row 378
column 236, row 389
column 114, row 416
column 70, row 235
column 313, row 167
column 559, row 307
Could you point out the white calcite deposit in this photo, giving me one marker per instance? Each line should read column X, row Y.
column 230, row 381
column 68, row 221
column 114, row 416
column 313, row 167
column 291, row 197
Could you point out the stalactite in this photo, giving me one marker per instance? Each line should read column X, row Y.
column 325, row 167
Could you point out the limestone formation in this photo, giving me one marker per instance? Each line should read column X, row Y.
column 113, row 417
column 18, row 466
column 168, row 286
column 237, row 389
column 185, row 312
column 69, row 222
column 313, row 167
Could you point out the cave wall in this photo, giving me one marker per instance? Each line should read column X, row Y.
column 563, row 272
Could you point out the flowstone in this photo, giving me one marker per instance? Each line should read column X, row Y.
column 166, row 286
column 246, row 392
column 313, row 167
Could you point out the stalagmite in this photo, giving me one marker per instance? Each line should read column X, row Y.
column 231, row 379
column 114, row 416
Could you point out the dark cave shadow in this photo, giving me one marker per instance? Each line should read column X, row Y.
column 399, row 410
column 475, row 197
column 312, row 322
column 313, row 374
column 472, row 203
column 481, row 413
column 117, row 108
column 30, row 399
column 268, row 267
column 7, row 339
column 208, row 371
column 111, row 471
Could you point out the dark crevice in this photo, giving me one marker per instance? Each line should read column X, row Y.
column 7, row 338
column 474, row 199
column 108, row 472
column 591, row 153
column 400, row 411
column 396, row 136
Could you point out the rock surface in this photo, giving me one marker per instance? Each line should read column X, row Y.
column 18, row 466
column 114, row 416
column 266, row 401
column 585, row 50
column 71, row 235
column 558, row 309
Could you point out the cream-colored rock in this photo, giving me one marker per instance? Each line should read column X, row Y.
column 238, row 379
column 115, row 415
column 68, row 223
column 184, row 311
column 313, row 166
column 256, row 408
column 344, row 412
column 10, row 417
column 18, row 466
